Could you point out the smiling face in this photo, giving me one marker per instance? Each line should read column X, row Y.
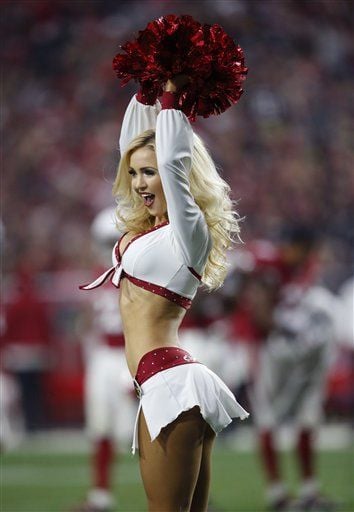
column 146, row 181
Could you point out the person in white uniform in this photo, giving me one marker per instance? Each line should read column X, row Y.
column 178, row 220
column 289, row 381
column 110, row 406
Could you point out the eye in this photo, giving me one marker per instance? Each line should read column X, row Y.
column 150, row 172
column 132, row 172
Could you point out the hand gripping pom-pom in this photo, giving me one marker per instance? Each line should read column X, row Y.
column 173, row 45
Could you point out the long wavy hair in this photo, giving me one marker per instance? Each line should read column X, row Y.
column 211, row 193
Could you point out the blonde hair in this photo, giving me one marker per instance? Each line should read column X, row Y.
column 211, row 193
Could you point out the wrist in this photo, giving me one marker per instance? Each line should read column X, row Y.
column 144, row 98
column 169, row 99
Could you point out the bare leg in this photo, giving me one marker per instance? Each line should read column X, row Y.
column 201, row 492
column 171, row 464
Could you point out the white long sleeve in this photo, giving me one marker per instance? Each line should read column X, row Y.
column 137, row 119
column 174, row 146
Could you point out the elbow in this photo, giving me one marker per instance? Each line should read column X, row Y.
column 182, row 163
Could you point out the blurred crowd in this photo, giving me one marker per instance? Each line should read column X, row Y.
column 286, row 149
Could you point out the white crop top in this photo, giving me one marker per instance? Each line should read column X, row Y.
column 169, row 258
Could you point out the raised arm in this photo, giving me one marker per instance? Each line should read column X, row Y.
column 138, row 118
column 174, row 147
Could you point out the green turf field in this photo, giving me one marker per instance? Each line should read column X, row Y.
column 53, row 482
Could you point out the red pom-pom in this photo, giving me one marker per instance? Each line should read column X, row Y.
column 173, row 45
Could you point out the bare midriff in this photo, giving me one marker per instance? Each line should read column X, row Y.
column 149, row 322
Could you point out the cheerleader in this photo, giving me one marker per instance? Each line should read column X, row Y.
column 178, row 221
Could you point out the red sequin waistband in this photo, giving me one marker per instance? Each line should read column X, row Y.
column 161, row 359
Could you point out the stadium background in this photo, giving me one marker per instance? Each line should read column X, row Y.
column 286, row 150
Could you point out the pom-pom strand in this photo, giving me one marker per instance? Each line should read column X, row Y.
column 174, row 45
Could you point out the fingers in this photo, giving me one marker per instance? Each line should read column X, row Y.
column 177, row 83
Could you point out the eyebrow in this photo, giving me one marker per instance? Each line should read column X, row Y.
column 143, row 168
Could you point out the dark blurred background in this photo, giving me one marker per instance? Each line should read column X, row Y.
column 286, row 149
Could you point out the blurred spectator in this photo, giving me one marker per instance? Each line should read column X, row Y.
column 110, row 402
column 293, row 317
column 11, row 417
column 286, row 148
column 346, row 318
column 25, row 348
column 341, row 383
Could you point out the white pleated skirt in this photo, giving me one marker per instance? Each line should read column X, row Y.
column 167, row 394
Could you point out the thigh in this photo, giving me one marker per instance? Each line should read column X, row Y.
column 170, row 464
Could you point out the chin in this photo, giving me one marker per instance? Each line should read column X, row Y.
column 154, row 212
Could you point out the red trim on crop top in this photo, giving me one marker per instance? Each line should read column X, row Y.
column 182, row 301
column 154, row 228
column 159, row 290
column 119, row 254
column 160, row 359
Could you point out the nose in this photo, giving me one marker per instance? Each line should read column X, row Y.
column 140, row 183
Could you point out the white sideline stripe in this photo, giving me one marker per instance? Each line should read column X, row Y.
column 243, row 438
column 330, row 437
column 47, row 476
